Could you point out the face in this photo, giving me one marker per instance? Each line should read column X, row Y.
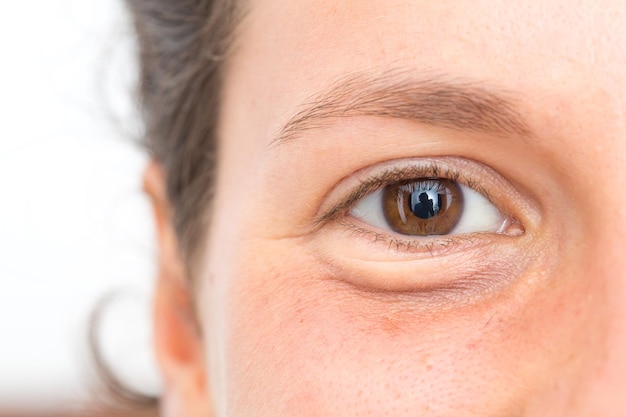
column 419, row 211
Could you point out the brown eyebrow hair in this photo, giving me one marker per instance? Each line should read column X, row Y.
column 435, row 101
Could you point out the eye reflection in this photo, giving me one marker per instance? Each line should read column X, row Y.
column 423, row 207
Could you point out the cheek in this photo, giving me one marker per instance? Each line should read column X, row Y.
column 299, row 342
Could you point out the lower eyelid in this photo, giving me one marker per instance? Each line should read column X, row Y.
column 468, row 266
column 390, row 241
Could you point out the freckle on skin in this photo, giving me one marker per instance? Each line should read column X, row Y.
column 390, row 326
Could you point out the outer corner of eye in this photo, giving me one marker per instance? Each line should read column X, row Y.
column 480, row 215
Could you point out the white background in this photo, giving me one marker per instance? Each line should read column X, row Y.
column 74, row 224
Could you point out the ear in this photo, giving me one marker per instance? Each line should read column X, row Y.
column 178, row 343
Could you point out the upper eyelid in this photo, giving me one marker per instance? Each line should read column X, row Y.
column 393, row 175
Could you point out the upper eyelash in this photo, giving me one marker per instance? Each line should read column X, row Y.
column 431, row 184
column 395, row 175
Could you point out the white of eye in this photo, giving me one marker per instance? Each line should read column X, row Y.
column 478, row 214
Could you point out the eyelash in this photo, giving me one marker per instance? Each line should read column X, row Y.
column 341, row 212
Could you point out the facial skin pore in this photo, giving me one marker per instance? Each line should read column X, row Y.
column 306, row 317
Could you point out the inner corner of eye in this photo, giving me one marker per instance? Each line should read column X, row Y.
column 511, row 228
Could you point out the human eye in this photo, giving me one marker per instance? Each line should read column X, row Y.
column 417, row 204
column 472, row 230
column 429, row 206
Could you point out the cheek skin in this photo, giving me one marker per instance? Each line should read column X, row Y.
column 300, row 343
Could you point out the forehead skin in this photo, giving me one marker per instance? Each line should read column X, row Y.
column 302, row 47
column 285, row 340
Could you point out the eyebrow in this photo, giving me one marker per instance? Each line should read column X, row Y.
column 435, row 101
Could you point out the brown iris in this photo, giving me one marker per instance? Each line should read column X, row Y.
column 423, row 207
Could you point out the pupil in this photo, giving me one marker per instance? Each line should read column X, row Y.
column 425, row 203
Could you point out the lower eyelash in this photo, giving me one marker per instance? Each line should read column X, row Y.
column 426, row 244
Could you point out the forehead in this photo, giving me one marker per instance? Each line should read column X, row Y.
column 289, row 51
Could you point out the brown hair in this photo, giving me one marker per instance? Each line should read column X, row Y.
column 183, row 45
